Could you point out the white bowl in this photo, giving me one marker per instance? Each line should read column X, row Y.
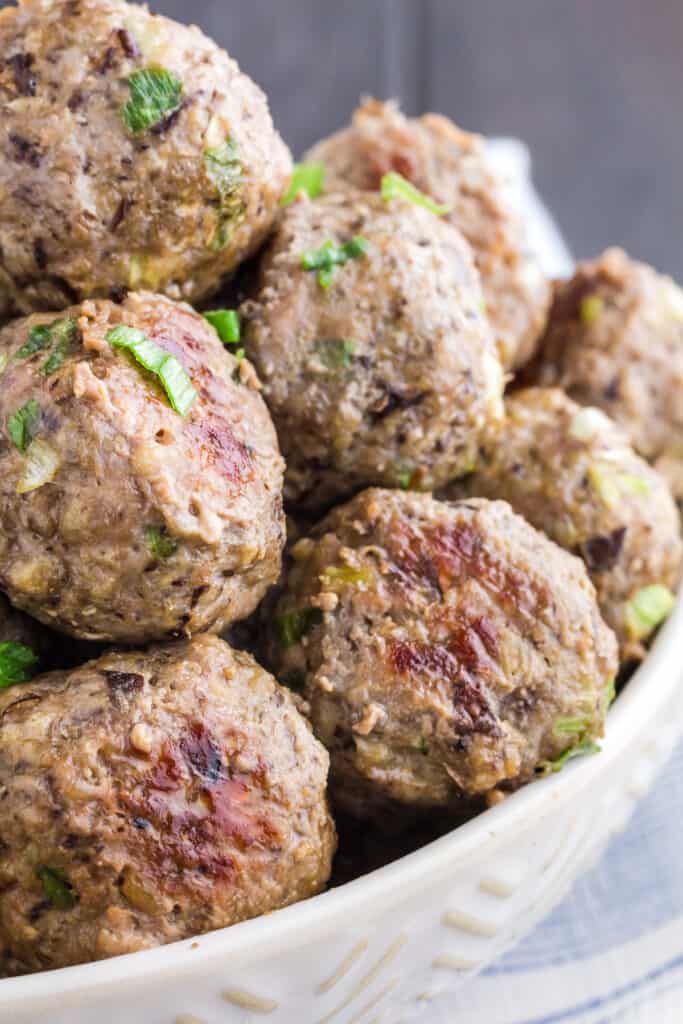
column 382, row 946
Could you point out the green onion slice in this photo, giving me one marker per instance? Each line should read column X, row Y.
column 308, row 178
column 329, row 256
column 155, row 93
column 647, row 609
column 395, row 186
column 18, row 663
column 170, row 372
column 226, row 323
column 580, row 750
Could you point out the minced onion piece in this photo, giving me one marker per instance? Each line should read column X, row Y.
column 395, row 186
column 40, row 468
column 611, row 483
column 587, row 423
column 647, row 609
column 170, row 372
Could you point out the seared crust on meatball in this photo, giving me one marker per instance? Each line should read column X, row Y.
column 445, row 649
column 385, row 372
column 97, row 196
column 571, row 473
column 451, row 166
column 143, row 524
column 615, row 340
column 152, row 797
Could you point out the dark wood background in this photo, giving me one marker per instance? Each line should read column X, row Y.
column 594, row 86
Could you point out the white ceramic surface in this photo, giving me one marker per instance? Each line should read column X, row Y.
column 378, row 949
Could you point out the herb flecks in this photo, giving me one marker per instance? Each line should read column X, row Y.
column 59, row 335
column 23, row 424
column 395, row 186
column 224, row 169
column 329, row 256
column 155, row 94
column 308, row 178
column 168, row 370
column 18, row 664
column 57, row 888
column 291, row 626
column 160, row 543
column 336, row 353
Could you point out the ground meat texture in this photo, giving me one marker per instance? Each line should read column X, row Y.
column 92, row 203
column 451, row 166
column 152, row 797
column 387, row 375
column 571, row 473
column 142, row 524
column 615, row 340
column 445, row 650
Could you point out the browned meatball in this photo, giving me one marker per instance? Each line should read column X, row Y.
column 385, row 371
column 120, row 518
column 615, row 340
column 151, row 797
column 446, row 649
column 451, row 166
column 571, row 473
column 133, row 154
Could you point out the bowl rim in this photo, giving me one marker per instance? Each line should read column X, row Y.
column 648, row 690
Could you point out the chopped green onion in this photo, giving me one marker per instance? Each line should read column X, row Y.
column 18, row 664
column 224, row 169
column 336, row 353
column 22, row 425
column 60, row 333
column 590, row 309
column 346, row 574
column 155, row 93
column 308, row 178
column 395, row 186
column 647, row 609
column 291, row 626
column 580, row 750
column 39, row 337
column 421, row 744
column 294, row 681
column 40, row 468
column 226, row 323
column 57, row 888
column 171, row 373
column 160, row 543
column 612, row 483
column 329, row 256
column 571, row 726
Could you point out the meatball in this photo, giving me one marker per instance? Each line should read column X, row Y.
column 571, row 473
column 453, row 167
column 445, row 649
column 133, row 154
column 151, row 797
column 380, row 370
column 120, row 518
column 615, row 340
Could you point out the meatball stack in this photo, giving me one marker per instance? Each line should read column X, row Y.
column 432, row 653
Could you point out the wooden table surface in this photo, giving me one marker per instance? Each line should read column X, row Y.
column 594, row 86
